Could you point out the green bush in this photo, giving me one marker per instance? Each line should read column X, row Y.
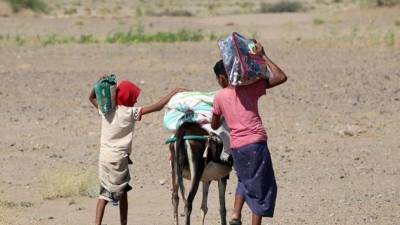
column 318, row 21
column 379, row 2
column 390, row 38
column 87, row 39
column 70, row 11
column 34, row 5
column 213, row 36
column 55, row 39
column 20, row 40
column 174, row 13
column 139, row 36
column 130, row 37
column 283, row 6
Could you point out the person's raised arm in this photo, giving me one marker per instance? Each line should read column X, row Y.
column 277, row 75
column 161, row 103
column 92, row 98
column 92, row 95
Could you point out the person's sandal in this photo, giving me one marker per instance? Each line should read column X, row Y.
column 235, row 222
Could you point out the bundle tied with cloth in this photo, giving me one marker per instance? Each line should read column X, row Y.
column 105, row 90
column 242, row 63
column 195, row 107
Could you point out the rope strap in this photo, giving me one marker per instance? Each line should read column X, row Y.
column 187, row 137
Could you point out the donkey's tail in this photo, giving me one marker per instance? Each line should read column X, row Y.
column 180, row 158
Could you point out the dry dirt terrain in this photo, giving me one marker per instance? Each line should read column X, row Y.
column 333, row 126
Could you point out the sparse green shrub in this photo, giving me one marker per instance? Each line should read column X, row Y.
column 70, row 11
column 105, row 10
column 130, row 37
column 55, row 39
column 20, row 40
column 318, row 21
column 245, row 4
column 139, row 36
column 174, row 13
column 355, row 38
column 283, row 6
column 144, row 10
column 390, row 38
column 26, row 204
column 79, row 23
column 8, row 204
column 213, row 36
column 211, row 7
column 34, row 5
column 87, row 39
column 139, row 11
column 388, row 3
column 77, row 3
column 245, row 7
column 68, row 182
column 121, row 22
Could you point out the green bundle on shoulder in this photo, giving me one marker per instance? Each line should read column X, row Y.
column 105, row 90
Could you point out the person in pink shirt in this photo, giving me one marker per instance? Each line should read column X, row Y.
column 251, row 158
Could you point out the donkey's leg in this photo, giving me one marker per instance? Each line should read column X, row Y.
column 192, row 193
column 178, row 172
column 175, row 196
column 204, row 208
column 196, row 165
column 222, row 208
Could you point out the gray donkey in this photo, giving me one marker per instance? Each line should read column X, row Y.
column 196, row 157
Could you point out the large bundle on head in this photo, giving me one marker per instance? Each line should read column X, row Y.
column 188, row 107
column 242, row 64
column 105, row 90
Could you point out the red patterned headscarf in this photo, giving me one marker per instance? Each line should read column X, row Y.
column 127, row 93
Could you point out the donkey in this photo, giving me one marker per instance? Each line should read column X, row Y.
column 196, row 157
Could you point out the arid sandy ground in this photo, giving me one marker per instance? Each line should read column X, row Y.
column 333, row 127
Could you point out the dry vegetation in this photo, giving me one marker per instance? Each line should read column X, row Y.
column 354, row 39
column 8, row 209
column 185, row 8
column 68, row 182
column 35, row 5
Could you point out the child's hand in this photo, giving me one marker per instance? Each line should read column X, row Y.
column 259, row 49
column 177, row 90
column 162, row 102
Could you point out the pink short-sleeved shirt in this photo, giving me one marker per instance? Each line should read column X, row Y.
column 239, row 107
